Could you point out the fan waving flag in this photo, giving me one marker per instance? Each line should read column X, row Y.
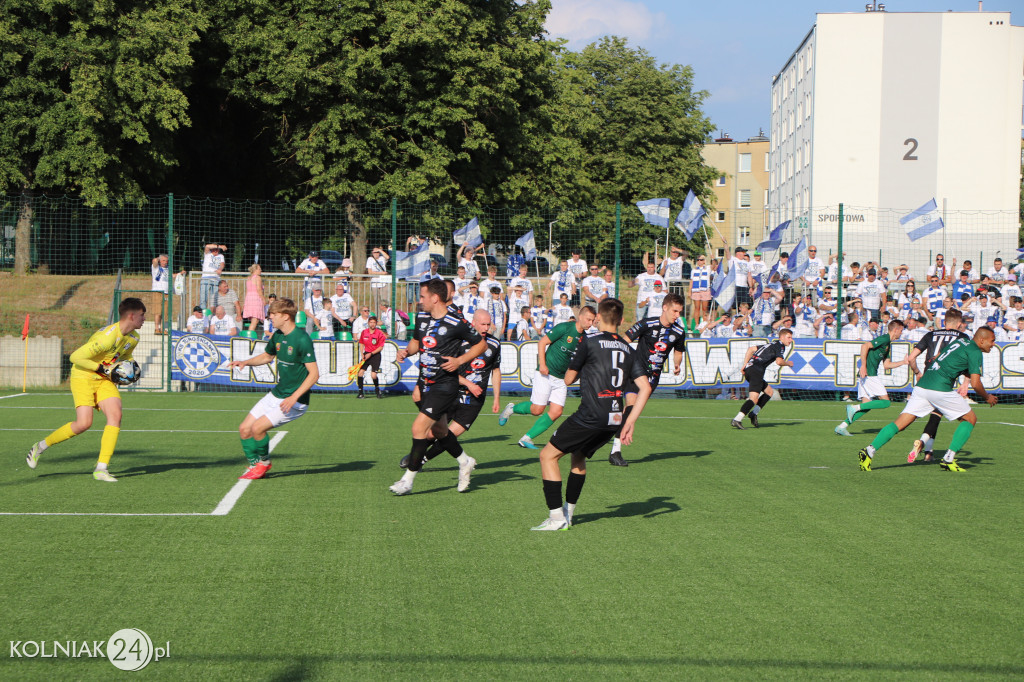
column 923, row 221
column 469, row 234
column 774, row 240
column 655, row 211
column 723, row 288
column 691, row 217
column 797, row 263
column 412, row 264
column 528, row 245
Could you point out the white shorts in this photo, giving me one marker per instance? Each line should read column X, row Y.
column 269, row 406
column 923, row 401
column 548, row 389
column 871, row 387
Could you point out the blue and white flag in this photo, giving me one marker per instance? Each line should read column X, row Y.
column 691, row 217
column 723, row 289
column 412, row 264
column 469, row 234
column 655, row 211
column 923, row 221
column 528, row 245
column 797, row 263
column 1020, row 253
column 774, row 240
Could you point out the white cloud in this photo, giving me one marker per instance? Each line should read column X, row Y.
column 582, row 21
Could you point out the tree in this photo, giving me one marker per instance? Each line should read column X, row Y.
column 90, row 96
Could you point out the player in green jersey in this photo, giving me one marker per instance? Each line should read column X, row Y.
column 870, row 389
column 554, row 351
column 936, row 390
column 296, row 374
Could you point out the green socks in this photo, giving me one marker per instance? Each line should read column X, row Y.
column 885, row 435
column 960, row 436
column 540, row 426
column 261, row 448
column 249, row 448
column 871, row 405
column 522, row 408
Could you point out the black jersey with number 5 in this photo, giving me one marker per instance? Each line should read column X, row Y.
column 766, row 355
column 932, row 343
column 440, row 338
column 606, row 364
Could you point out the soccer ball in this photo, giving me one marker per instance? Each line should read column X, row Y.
column 125, row 373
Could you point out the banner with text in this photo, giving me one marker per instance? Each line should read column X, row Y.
column 819, row 365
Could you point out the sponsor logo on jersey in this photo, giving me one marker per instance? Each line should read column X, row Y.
column 609, row 394
column 429, row 342
column 661, row 346
column 477, row 363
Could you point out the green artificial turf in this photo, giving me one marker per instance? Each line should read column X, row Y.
column 717, row 554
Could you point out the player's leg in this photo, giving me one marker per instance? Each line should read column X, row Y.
column 960, row 436
column 359, row 381
column 924, row 443
column 755, row 384
column 905, row 419
column 762, row 401
column 574, row 485
column 541, row 397
column 873, row 396
column 615, row 458
column 552, row 484
column 109, row 403
column 423, row 433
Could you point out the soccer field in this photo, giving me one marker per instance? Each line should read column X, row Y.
column 717, row 554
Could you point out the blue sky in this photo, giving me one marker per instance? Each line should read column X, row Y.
column 734, row 47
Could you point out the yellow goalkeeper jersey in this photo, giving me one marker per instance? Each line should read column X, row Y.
column 107, row 346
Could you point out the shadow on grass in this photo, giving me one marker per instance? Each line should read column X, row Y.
column 965, row 457
column 655, row 456
column 147, row 469
column 336, row 468
column 770, row 425
column 655, row 506
column 482, row 439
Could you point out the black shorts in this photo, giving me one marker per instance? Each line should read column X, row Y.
column 577, row 438
column 755, row 378
column 437, row 401
column 464, row 414
column 630, row 386
column 373, row 363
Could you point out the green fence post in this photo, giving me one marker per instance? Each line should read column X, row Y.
column 618, row 245
column 839, row 287
column 170, row 287
column 394, row 264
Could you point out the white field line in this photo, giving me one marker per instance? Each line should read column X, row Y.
column 138, row 430
column 13, row 395
column 228, row 503
column 222, row 508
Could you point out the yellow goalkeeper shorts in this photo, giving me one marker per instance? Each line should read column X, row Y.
column 90, row 391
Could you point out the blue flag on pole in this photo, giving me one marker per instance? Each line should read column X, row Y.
column 469, row 234
column 774, row 240
column 690, row 219
column 528, row 245
column 723, row 289
column 923, row 221
column 412, row 264
column 797, row 264
column 655, row 211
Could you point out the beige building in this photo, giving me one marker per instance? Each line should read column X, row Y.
column 740, row 213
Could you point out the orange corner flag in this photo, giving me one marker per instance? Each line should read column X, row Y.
column 24, row 330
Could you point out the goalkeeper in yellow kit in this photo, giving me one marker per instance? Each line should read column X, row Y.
column 92, row 387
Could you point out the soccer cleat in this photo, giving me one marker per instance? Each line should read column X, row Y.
column 753, row 420
column 464, row 471
column 405, row 462
column 103, row 476
column 841, row 431
column 850, row 411
column 256, row 471
column 615, row 459
column 379, row 394
column 552, row 524
column 951, row 466
column 360, row 395
column 401, row 487
column 506, row 413
column 915, row 452
column 737, row 425
column 33, row 456
column 525, row 442
column 865, row 460
column 567, row 512
column 928, row 456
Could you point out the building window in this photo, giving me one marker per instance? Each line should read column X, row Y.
column 744, row 163
column 721, row 217
column 767, row 162
column 744, row 198
column 743, row 236
column 721, row 253
column 721, row 181
column 766, row 197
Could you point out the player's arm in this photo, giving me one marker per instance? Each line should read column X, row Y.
column 749, row 354
column 542, row 347
column 470, row 386
column 496, row 389
column 643, row 392
column 411, row 348
column 255, row 361
column 864, row 349
column 980, row 390
column 85, row 356
column 912, row 360
column 474, row 351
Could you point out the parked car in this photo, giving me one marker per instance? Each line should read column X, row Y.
column 332, row 259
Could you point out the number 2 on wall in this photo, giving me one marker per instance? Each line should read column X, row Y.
column 910, row 155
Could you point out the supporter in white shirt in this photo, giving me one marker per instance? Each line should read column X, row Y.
column 377, row 262
column 313, row 268
column 610, row 287
column 213, row 265
column 222, row 324
column 1014, row 310
column 825, row 326
column 524, row 330
column 538, row 314
column 561, row 282
column 907, row 297
column 1018, row 270
column 466, row 258
column 815, row 267
column 934, row 294
column 973, row 276
column 827, row 303
column 491, row 281
column 522, row 280
column 197, row 322
column 902, row 274
column 461, row 283
column 671, row 269
column 561, row 310
column 914, row 332
column 940, row 270
column 645, row 287
column 806, row 314
column 982, row 308
column 655, row 299
column 517, row 300
column 1018, row 333
column 577, row 266
column 871, row 293
column 593, row 287
column 325, row 320
column 740, row 265
column 472, row 301
column 362, row 322
column 756, row 269
column 1011, row 289
column 833, row 269
column 344, row 305
column 998, row 272
column 852, row 330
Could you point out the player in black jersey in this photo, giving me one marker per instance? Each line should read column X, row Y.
column 931, row 344
column 438, row 339
column 655, row 337
column 473, row 380
column 605, row 364
column 754, row 366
